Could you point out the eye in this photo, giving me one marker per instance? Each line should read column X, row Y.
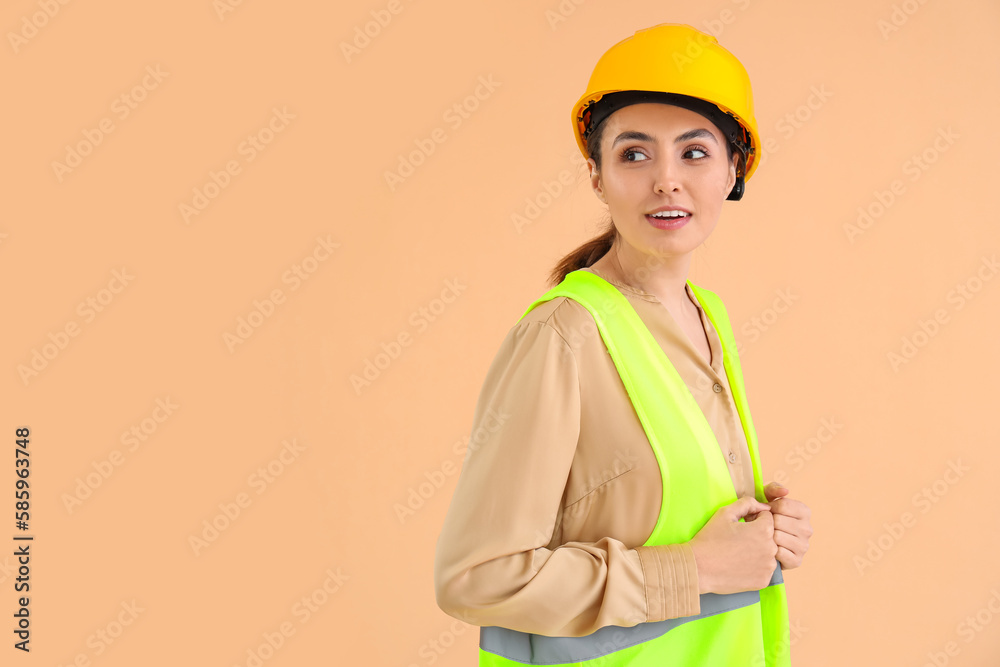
column 697, row 149
column 631, row 152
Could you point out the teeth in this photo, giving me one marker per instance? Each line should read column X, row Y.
column 669, row 214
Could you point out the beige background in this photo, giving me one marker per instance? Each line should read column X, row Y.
column 329, row 516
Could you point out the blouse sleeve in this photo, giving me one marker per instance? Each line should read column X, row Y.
column 493, row 564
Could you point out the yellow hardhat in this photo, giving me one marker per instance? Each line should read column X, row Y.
column 675, row 64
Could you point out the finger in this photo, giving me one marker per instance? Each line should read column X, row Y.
column 788, row 559
column 765, row 521
column 793, row 543
column 747, row 505
column 790, row 507
column 797, row 527
column 774, row 490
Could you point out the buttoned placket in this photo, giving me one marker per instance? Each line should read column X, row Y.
column 714, row 371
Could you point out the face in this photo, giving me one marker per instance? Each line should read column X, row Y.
column 655, row 155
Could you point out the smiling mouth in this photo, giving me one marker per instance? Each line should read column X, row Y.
column 669, row 215
column 668, row 221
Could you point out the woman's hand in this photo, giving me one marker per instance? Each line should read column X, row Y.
column 734, row 556
column 792, row 529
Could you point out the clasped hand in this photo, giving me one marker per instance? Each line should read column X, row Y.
column 792, row 529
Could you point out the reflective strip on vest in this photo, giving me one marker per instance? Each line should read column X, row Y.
column 748, row 629
column 529, row 649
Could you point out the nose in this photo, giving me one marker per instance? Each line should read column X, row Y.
column 668, row 176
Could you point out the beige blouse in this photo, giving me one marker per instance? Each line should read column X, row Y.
column 560, row 488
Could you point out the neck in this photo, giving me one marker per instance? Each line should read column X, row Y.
column 663, row 277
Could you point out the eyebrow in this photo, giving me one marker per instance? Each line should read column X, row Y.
column 642, row 136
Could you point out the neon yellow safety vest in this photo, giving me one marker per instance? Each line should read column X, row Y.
column 746, row 629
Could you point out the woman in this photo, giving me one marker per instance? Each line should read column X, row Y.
column 610, row 508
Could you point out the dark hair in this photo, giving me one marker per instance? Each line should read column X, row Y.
column 597, row 247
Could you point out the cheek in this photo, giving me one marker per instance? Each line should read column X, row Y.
column 718, row 184
column 624, row 189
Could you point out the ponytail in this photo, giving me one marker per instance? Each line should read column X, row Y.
column 585, row 255
column 597, row 247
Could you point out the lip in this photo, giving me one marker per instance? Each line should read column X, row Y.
column 669, row 208
column 668, row 223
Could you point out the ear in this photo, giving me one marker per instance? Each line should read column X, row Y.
column 731, row 180
column 595, row 180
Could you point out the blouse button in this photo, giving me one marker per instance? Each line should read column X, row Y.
column 717, row 387
column 732, row 457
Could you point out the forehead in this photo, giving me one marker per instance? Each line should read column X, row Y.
column 650, row 116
